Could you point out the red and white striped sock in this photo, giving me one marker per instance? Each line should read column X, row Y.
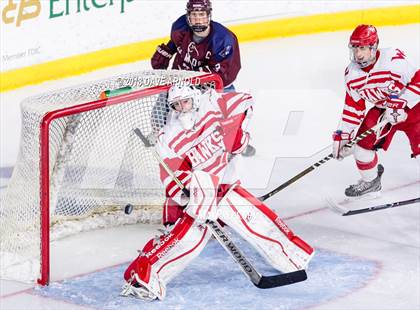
column 366, row 161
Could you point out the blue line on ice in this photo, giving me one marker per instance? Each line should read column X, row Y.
column 214, row 280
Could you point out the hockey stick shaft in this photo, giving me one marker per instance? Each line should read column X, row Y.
column 319, row 163
column 256, row 278
column 381, row 207
column 161, row 162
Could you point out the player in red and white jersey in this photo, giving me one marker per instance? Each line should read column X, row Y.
column 205, row 137
column 385, row 79
column 202, row 137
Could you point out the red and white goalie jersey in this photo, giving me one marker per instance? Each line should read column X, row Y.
column 375, row 83
column 204, row 146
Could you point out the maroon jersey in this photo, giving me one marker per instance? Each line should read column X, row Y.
column 217, row 53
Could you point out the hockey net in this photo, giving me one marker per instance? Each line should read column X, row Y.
column 80, row 163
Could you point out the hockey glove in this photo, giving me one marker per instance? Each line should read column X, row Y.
column 340, row 139
column 161, row 58
column 235, row 139
column 395, row 110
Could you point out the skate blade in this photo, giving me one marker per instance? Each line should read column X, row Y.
column 334, row 206
column 368, row 196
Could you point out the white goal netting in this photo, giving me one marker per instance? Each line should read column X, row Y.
column 96, row 166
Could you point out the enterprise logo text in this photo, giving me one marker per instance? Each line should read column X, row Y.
column 16, row 11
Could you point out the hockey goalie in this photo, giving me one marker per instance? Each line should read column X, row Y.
column 204, row 134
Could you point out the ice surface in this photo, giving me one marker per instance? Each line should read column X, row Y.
column 214, row 281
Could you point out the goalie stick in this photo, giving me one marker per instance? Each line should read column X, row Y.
column 320, row 162
column 256, row 278
column 344, row 212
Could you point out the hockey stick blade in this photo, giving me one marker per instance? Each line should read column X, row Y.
column 345, row 212
column 333, row 206
column 146, row 141
column 282, row 279
column 382, row 207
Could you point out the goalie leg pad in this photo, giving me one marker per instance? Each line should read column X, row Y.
column 163, row 258
column 264, row 230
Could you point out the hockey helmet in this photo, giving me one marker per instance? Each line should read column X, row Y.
column 364, row 36
column 199, row 5
column 179, row 92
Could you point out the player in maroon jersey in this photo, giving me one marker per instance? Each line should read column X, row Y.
column 200, row 44
column 199, row 143
column 385, row 79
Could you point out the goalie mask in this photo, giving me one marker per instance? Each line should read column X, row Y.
column 184, row 100
column 199, row 15
column 363, row 45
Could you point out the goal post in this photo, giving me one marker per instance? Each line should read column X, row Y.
column 82, row 157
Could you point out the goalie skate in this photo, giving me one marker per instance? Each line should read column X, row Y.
column 373, row 188
column 137, row 291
